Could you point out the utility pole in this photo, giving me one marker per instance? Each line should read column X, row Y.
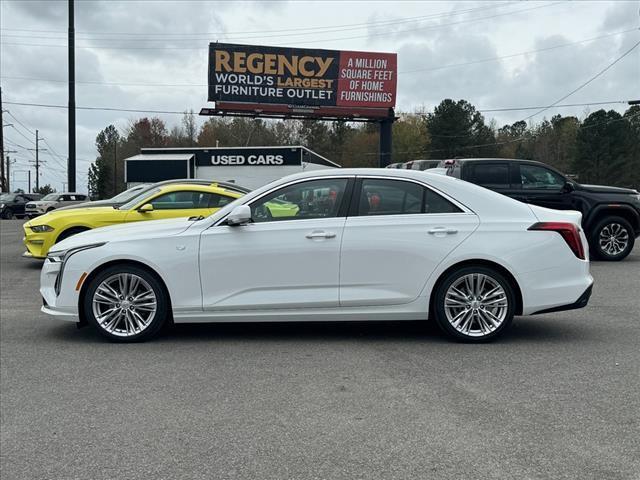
column 71, row 163
column 29, row 172
column 115, row 166
column 37, row 150
column 1, row 145
column 9, row 169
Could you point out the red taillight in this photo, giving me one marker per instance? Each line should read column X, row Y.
column 569, row 231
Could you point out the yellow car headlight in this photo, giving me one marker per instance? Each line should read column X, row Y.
column 41, row 228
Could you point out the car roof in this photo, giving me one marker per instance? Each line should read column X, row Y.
column 493, row 159
column 198, row 188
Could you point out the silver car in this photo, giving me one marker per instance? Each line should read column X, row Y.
column 53, row 201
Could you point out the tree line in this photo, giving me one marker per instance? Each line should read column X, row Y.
column 602, row 148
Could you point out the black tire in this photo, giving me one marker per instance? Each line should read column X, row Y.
column 7, row 214
column 492, row 332
column 162, row 303
column 70, row 232
column 599, row 249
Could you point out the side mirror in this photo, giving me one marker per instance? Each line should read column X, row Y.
column 568, row 187
column 147, row 207
column 241, row 215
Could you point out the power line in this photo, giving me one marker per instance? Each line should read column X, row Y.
column 20, row 123
column 432, row 27
column 330, row 28
column 183, row 85
column 517, row 109
column 528, row 52
column 176, row 112
column 585, row 83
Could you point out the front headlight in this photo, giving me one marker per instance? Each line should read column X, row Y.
column 62, row 256
column 41, row 228
column 1, row 205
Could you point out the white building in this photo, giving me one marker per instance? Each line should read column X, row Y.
column 250, row 167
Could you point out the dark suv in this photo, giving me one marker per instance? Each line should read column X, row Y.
column 610, row 215
column 12, row 204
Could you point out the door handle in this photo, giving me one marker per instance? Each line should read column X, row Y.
column 443, row 231
column 320, row 234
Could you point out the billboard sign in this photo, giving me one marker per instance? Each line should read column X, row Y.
column 300, row 76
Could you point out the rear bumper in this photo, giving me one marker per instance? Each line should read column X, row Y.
column 582, row 302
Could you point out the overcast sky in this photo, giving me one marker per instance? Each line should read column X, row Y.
column 123, row 44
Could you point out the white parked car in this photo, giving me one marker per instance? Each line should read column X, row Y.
column 52, row 201
column 352, row 244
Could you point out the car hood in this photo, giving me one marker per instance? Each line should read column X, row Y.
column 97, row 203
column 606, row 189
column 127, row 232
column 76, row 213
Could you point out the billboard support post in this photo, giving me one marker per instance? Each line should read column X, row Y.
column 386, row 143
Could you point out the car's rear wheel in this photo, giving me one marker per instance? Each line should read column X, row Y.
column 474, row 303
column 612, row 239
column 126, row 303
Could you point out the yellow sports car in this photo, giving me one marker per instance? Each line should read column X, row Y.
column 170, row 201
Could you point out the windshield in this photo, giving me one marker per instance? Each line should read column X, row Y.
column 138, row 198
column 128, row 194
column 7, row 197
column 51, row 196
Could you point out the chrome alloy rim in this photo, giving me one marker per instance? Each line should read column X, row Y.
column 614, row 239
column 476, row 305
column 124, row 304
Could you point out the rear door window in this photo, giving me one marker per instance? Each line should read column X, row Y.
column 490, row 175
column 399, row 197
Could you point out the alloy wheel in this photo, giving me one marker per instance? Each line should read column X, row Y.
column 124, row 304
column 476, row 304
column 613, row 239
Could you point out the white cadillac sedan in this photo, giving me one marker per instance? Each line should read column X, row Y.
column 348, row 244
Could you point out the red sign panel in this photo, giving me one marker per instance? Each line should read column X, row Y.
column 367, row 79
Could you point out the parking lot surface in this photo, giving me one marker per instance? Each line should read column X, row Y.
column 557, row 397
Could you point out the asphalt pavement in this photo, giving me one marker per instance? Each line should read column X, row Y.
column 558, row 397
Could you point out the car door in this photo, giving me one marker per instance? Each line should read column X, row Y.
column 175, row 204
column 396, row 234
column 20, row 202
column 544, row 187
column 287, row 257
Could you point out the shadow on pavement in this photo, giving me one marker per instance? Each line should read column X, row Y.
column 523, row 330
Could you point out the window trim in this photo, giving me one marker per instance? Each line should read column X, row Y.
column 545, row 167
column 342, row 209
column 161, row 194
column 355, row 201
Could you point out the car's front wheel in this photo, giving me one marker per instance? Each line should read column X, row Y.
column 7, row 214
column 474, row 303
column 612, row 239
column 126, row 303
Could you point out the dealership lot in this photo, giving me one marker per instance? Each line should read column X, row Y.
column 557, row 397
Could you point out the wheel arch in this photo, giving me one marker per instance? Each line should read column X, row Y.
column 485, row 263
column 76, row 228
column 603, row 211
column 100, row 268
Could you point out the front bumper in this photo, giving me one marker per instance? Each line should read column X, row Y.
column 34, row 211
column 64, row 305
column 38, row 244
